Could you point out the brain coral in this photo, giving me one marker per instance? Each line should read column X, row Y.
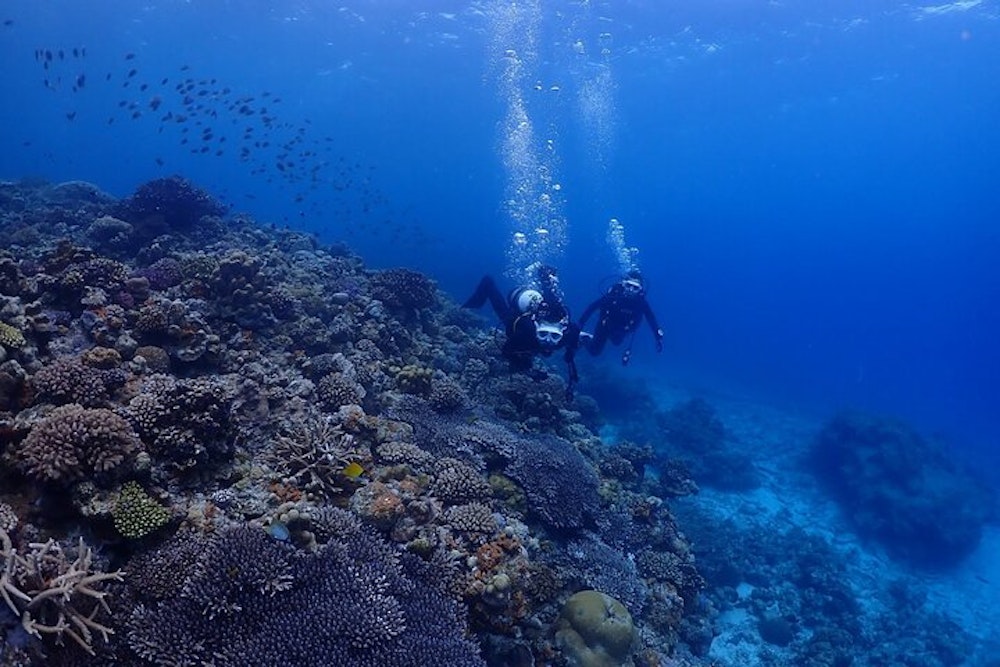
column 74, row 442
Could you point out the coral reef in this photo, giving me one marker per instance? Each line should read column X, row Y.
column 901, row 490
column 298, row 460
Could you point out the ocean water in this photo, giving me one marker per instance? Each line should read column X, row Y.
column 811, row 189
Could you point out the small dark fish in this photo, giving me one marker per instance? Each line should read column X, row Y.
column 111, row 119
column 81, row 80
column 129, row 56
column 76, row 52
column 184, row 140
column 46, row 65
column 143, row 87
column 62, row 56
column 122, row 104
column 136, row 114
column 132, row 72
column 8, row 22
column 83, row 51
column 70, row 115
column 108, row 77
column 155, row 103
column 159, row 161
column 185, row 68
column 48, row 55
column 125, row 85
column 219, row 152
column 163, row 81
column 204, row 149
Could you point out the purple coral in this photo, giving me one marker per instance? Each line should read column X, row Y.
column 163, row 273
column 355, row 602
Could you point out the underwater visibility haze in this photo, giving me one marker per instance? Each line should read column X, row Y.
column 308, row 190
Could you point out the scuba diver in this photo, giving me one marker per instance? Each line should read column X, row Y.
column 621, row 308
column 536, row 322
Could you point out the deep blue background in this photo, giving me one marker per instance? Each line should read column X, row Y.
column 814, row 190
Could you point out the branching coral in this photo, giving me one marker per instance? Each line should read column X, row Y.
column 74, row 442
column 356, row 602
column 403, row 288
column 314, row 454
column 54, row 596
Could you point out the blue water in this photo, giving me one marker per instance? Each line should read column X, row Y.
column 813, row 189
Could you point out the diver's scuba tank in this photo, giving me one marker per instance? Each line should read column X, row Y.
column 525, row 300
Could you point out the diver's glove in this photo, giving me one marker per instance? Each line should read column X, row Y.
column 659, row 340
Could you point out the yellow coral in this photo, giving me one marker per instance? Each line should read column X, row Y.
column 136, row 514
column 10, row 336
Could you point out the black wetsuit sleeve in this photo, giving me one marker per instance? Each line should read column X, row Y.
column 650, row 318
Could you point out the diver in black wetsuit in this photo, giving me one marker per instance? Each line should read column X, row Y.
column 621, row 308
column 537, row 323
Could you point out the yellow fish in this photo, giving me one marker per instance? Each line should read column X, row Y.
column 352, row 470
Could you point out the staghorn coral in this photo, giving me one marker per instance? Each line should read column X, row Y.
column 57, row 593
column 356, row 602
column 313, row 454
column 73, row 443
